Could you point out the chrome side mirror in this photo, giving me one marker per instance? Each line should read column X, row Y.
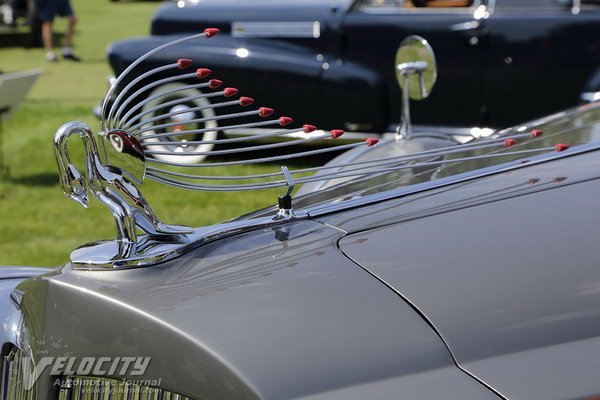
column 416, row 73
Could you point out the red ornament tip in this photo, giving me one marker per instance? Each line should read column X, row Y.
column 561, row 147
column 283, row 121
column 536, row 132
column 246, row 101
column 336, row 133
column 372, row 141
column 203, row 72
column 509, row 142
column 309, row 128
column 214, row 83
column 265, row 111
column 230, row 91
column 183, row 63
column 210, row 32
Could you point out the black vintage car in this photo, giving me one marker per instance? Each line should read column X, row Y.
column 332, row 61
column 458, row 272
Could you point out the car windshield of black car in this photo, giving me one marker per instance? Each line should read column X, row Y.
column 551, row 5
column 417, row 5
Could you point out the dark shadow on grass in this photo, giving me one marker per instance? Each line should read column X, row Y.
column 11, row 38
column 14, row 39
column 41, row 179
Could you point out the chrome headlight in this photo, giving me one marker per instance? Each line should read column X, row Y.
column 15, row 376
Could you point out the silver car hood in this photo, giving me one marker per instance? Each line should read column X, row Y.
column 273, row 314
column 486, row 265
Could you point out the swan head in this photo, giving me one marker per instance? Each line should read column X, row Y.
column 123, row 151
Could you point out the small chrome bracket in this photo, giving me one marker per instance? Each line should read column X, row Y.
column 286, row 210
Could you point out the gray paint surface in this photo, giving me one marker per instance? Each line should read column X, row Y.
column 442, row 383
column 506, row 272
column 258, row 315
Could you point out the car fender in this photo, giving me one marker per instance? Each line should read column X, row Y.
column 292, row 77
column 10, row 314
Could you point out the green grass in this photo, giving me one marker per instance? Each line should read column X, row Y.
column 38, row 224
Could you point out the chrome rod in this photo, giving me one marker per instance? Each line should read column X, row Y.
column 195, row 131
column 262, row 160
column 125, row 120
column 484, row 143
column 207, row 33
column 193, row 121
column 369, row 170
column 233, row 151
column 156, row 171
column 172, row 113
column 131, row 84
column 218, row 188
column 441, row 151
column 231, row 140
column 409, row 157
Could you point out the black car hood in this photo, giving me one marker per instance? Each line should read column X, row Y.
column 189, row 16
column 505, row 267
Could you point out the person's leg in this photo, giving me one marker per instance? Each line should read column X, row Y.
column 68, row 40
column 46, row 11
column 47, row 39
column 67, row 11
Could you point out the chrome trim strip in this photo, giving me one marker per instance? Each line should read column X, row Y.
column 15, row 384
column 289, row 29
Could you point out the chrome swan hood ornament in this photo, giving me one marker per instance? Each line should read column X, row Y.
column 131, row 148
column 142, row 138
column 111, row 183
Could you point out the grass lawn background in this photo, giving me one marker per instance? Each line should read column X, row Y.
column 39, row 225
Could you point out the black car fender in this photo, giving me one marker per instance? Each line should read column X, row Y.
column 297, row 81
